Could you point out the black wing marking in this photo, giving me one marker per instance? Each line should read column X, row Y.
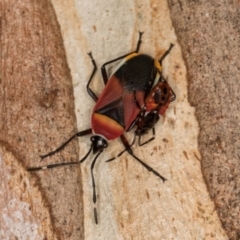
column 137, row 74
column 114, row 110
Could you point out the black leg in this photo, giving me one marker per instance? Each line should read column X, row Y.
column 111, row 159
column 103, row 68
column 60, row 164
column 149, row 140
column 95, row 215
column 89, row 90
column 130, row 151
column 139, row 42
column 165, row 54
column 79, row 134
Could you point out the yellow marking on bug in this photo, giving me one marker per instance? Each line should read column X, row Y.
column 130, row 56
column 106, row 126
column 157, row 65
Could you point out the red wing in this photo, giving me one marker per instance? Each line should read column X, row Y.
column 131, row 110
column 112, row 91
column 118, row 104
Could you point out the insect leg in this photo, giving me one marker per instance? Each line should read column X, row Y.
column 60, row 164
column 130, row 151
column 149, row 140
column 139, row 41
column 79, row 134
column 111, row 159
column 165, row 54
column 103, row 68
column 89, row 90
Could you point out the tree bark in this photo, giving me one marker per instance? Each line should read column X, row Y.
column 208, row 32
column 37, row 114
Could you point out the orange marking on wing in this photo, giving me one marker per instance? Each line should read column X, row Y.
column 106, row 126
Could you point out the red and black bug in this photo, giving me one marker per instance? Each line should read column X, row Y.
column 119, row 107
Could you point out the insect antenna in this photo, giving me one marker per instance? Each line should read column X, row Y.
column 94, row 187
column 60, row 164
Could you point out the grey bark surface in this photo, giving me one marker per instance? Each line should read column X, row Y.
column 208, row 32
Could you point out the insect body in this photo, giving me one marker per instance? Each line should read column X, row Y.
column 123, row 96
column 119, row 107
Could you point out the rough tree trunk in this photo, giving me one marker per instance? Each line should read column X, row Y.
column 208, row 32
column 37, row 112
